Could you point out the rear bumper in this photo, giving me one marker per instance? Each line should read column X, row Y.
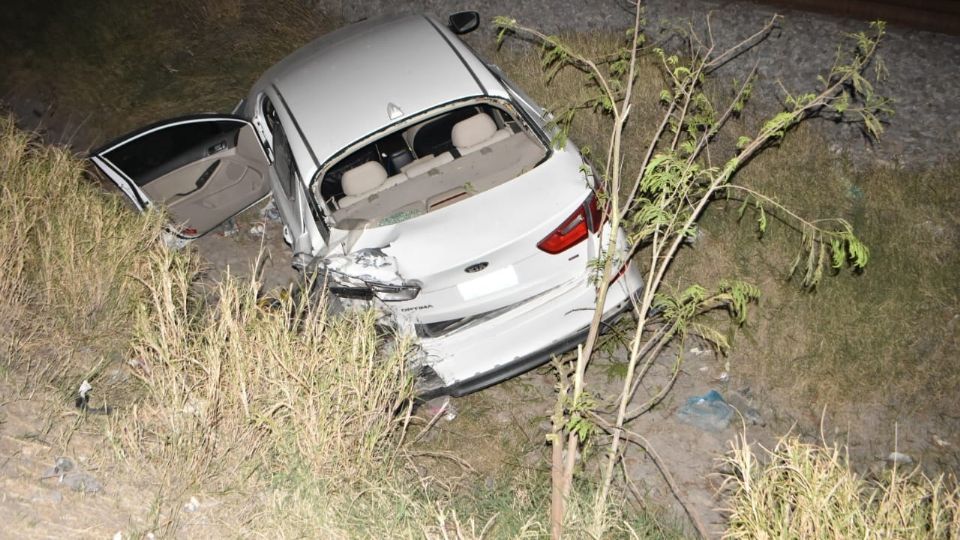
column 522, row 339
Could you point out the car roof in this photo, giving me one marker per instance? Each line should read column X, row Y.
column 338, row 88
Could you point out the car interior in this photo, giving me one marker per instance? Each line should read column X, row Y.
column 430, row 165
column 202, row 171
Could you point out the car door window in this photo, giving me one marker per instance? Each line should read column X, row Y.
column 163, row 150
column 284, row 163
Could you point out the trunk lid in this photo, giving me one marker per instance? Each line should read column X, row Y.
column 481, row 254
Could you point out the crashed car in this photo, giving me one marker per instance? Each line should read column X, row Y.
column 417, row 176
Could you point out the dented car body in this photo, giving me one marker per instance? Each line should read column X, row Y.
column 413, row 175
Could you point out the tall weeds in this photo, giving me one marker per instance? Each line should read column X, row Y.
column 71, row 259
column 301, row 413
column 801, row 490
column 232, row 383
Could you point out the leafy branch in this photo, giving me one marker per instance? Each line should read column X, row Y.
column 658, row 210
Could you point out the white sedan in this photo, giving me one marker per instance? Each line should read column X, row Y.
column 416, row 176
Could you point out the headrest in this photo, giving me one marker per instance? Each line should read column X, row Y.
column 363, row 178
column 473, row 130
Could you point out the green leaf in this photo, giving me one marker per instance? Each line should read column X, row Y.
column 838, row 252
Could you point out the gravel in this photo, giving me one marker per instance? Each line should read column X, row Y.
column 924, row 67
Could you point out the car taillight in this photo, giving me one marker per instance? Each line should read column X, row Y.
column 574, row 229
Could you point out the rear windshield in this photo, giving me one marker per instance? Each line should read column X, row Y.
column 435, row 163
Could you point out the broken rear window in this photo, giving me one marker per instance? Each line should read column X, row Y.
column 432, row 164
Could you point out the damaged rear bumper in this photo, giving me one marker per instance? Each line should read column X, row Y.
column 520, row 340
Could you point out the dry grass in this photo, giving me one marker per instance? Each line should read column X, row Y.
column 71, row 260
column 237, row 393
column 896, row 322
column 882, row 338
column 229, row 395
column 891, row 327
column 292, row 423
column 117, row 66
column 800, row 490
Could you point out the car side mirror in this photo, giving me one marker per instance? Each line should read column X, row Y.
column 463, row 22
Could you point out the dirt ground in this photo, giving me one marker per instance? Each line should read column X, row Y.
column 57, row 479
column 36, row 501
column 512, row 418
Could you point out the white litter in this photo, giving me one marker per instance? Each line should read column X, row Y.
column 192, row 505
column 899, row 459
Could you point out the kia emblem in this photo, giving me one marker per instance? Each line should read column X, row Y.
column 475, row 267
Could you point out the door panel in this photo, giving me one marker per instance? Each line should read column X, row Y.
column 203, row 169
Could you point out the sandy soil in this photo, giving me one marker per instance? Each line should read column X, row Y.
column 35, row 430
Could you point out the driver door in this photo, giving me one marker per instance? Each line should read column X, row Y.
column 204, row 169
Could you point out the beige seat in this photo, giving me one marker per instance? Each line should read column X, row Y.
column 426, row 163
column 365, row 180
column 477, row 132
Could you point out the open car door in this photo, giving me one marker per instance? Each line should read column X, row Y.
column 204, row 169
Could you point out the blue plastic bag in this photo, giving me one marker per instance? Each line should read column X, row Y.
column 708, row 412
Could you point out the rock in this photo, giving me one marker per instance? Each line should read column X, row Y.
column 270, row 212
column 899, row 458
column 66, row 474
column 742, row 405
column 940, row 442
column 61, row 466
column 81, row 482
column 440, row 406
column 230, row 228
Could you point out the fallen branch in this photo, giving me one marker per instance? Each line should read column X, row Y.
column 643, row 443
